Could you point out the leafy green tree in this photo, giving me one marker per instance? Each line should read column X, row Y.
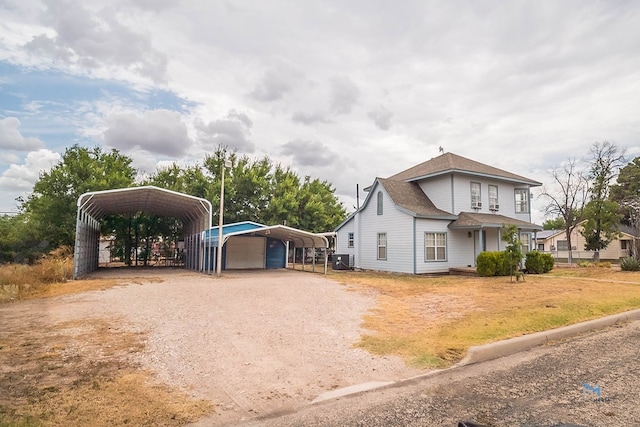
column 553, row 224
column 513, row 250
column 52, row 209
column 319, row 210
column 257, row 190
column 601, row 214
column 18, row 239
column 626, row 192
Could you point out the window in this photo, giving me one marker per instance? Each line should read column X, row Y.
column 525, row 240
column 382, row 246
column 475, row 195
column 522, row 201
column 493, row 198
column 624, row 245
column 541, row 247
column 435, row 246
column 350, row 240
column 379, row 202
column 563, row 245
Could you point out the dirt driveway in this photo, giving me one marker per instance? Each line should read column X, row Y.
column 252, row 342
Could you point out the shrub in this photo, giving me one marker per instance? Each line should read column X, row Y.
column 603, row 264
column 538, row 263
column 630, row 264
column 585, row 264
column 493, row 264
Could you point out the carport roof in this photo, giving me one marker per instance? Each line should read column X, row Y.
column 147, row 199
column 300, row 238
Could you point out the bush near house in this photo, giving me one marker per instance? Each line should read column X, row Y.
column 538, row 263
column 493, row 264
column 630, row 264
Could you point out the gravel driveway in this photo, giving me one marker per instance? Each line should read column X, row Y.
column 253, row 342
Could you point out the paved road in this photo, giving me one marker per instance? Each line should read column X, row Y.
column 541, row 387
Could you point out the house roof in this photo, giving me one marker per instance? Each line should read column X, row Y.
column 469, row 220
column 449, row 162
column 410, row 197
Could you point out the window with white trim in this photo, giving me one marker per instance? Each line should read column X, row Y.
column 435, row 246
column 563, row 245
column 382, row 246
column 475, row 195
column 493, row 198
column 380, row 201
column 350, row 240
column 522, row 200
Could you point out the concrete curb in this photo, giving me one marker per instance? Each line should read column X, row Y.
column 483, row 353
column 498, row 349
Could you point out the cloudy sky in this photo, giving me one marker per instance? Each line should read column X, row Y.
column 340, row 90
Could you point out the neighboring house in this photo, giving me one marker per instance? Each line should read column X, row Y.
column 555, row 243
column 437, row 215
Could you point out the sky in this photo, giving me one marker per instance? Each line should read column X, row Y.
column 344, row 91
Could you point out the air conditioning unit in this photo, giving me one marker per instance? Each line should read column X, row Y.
column 495, row 207
column 476, row 205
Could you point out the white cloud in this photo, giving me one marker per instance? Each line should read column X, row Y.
column 23, row 177
column 309, row 153
column 381, row 117
column 95, row 38
column 233, row 131
column 344, row 94
column 12, row 139
column 157, row 131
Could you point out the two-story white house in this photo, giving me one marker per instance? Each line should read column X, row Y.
column 437, row 215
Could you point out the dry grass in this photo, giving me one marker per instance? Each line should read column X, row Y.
column 432, row 321
column 81, row 373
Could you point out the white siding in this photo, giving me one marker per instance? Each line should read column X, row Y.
column 433, row 226
column 438, row 190
column 342, row 244
column 399, row 228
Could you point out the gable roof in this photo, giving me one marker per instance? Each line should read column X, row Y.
column 410, row 197
column 484, row 220
column 449, row 162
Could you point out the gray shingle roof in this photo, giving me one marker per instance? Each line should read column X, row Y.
column 450, row 162
column 473, row 220
column 409, row 195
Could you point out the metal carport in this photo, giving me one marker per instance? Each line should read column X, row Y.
column 94, row 206
column 299, row 238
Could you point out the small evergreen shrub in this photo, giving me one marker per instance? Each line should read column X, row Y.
column 630, row 264
column 538, row 263
column 491, row 264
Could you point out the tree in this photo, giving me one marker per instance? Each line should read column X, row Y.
column 553, row 224
column 601, row 214
column 513, row 250
column 51, row 208
column 568, row 198
column 257, row 190
column 626, row 192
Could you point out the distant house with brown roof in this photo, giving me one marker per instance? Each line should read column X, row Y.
column 437, row 215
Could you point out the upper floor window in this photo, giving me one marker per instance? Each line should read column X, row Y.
column 382, row 246
column 476, row 202
column 380, row 201
column 493, row 198
column 522, row 200
column 350, row 240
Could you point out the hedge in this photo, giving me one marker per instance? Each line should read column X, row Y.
column 493, row 264
column 538, row 263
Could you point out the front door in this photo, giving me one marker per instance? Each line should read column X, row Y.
column 479, row 243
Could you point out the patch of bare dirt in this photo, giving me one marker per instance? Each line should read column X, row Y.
column 250, row 343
